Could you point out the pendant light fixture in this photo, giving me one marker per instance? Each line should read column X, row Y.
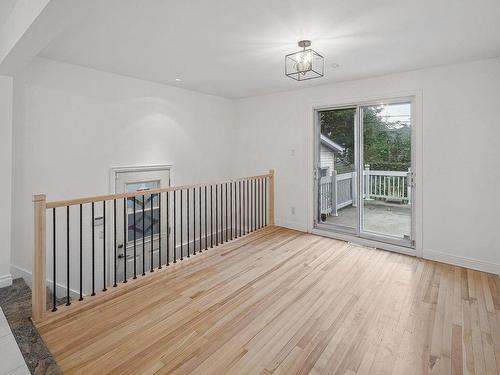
column 305, row 64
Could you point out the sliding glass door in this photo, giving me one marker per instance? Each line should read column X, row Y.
column 363, row 179
column 337, row 168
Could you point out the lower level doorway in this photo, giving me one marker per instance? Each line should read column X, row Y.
column 142, row 236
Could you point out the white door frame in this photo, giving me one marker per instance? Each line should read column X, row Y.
column 417, row 158
column 113, row 171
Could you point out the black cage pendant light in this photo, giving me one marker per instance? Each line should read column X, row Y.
column 305, row 64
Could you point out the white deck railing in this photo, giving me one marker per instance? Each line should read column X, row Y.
column 388, row 185
column 341, row 188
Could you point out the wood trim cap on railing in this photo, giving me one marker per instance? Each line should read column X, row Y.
column 100, row 198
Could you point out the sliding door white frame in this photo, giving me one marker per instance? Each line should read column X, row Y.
column 409, row 243
column 416, row 100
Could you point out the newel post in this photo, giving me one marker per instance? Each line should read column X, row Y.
column 271, row 197
column 38, row 301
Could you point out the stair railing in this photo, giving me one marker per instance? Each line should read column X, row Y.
column 97, row 246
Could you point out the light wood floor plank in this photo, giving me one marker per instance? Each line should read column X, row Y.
column 284, row 302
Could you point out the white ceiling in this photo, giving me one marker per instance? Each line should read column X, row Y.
column 6, row 7
column 236, row 48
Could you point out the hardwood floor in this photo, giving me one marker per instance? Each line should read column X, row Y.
column 285, row 302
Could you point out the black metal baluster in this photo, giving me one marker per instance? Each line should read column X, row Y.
column 248, row 207
column 265, row 201
column 54, row 290
column 182, row 245
column 67, row 257
column 125, row 239
column 250, row 201
column 257, row 201
column 242, row 207
column 226, row 214
column 261, row 202
column 238, row 227
column 151, row 228
column 187, row 219
column 159, row 230
column 211, row 219
column 81, row 254
column 249, row 194
column 252, row 182
column 254, row 204
column 216, row 215
column 115, row 244
column 194, row 221
column 104, row 245
column 231, row 210
column 252, row 223
column 93, row 251
column 236, row 210
column 206, row 222
column 175, row 228
column 143, row 235
column 199, row 208
column 264, row 209
column 134, row 207
column 168, row 229
column 221, row 214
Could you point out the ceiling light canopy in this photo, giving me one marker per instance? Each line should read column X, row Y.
column 305, row 64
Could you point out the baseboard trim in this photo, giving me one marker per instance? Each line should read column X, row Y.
column 289, row 225
column 5, row 280
column 460, row 261
column 437, row 256
column 27, row 276
column 365, row 242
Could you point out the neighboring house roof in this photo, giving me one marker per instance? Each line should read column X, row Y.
column 327, row 142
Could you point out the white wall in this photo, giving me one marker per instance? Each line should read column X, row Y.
column 72, row 124
column 6, row 173
column 460, row 153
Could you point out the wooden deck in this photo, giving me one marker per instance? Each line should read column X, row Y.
column 284, row 302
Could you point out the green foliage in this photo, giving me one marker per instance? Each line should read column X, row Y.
column 387, row 145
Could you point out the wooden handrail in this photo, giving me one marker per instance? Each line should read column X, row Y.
column 100, row 198
column 41, row 206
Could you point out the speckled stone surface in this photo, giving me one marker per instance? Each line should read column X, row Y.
column 15, row 302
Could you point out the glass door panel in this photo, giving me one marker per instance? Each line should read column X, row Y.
column 337, row 173
column 141, row 222
column 386, row 161
column 364, row 179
